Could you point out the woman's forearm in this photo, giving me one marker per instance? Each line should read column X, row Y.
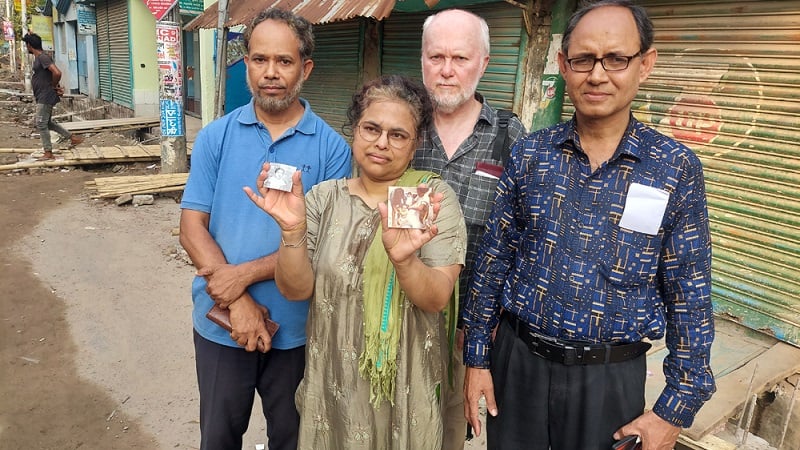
column 429, row 288
column 294, row 275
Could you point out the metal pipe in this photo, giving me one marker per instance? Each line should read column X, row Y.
column 749, row 391
column 746, row 432
column 789, row 414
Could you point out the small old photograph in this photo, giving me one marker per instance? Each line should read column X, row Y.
column 410, row 207
column 280, row 177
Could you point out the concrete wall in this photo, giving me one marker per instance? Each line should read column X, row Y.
column 144, row 70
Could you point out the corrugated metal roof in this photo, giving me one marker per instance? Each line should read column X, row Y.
column 241, row 12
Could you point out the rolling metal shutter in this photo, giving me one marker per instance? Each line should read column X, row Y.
column 726, row 85
column 337, row 69
column 113, row 52
column 402, row 39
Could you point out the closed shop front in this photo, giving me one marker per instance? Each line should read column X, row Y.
column 402, row 39
column 337, row 68
column 726, row 84
column 113, row 54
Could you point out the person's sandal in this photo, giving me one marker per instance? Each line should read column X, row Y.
column 48, row 156
column 75, row 140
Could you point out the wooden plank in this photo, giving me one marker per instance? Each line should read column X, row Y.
column 777, row 363
column 709, row 442
column 88, row 155
column 109, row 124
column 111, row 187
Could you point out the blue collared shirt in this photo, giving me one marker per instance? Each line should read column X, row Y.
column 555, row 256
column 227, row 155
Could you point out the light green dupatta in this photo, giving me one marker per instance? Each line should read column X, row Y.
column 384, row 302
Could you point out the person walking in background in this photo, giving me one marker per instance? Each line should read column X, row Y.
column 47, row 91
column 375, row 359
column 459, row 142
column 599, row 239
column 233, row 245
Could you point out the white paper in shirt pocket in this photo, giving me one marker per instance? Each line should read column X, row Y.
column 481, row 173
column 644, row 209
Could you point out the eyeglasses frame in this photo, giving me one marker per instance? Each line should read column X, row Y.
column 603, row 64
column 388, row 139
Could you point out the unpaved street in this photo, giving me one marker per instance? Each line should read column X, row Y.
column 96, row 329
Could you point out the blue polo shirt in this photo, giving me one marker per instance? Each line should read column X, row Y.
column 227, row 155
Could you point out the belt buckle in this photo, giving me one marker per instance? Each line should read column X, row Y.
column 571, row 356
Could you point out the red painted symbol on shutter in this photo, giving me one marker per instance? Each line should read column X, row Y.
column 695, row 118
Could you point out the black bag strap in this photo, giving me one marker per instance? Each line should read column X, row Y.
column 500, row 150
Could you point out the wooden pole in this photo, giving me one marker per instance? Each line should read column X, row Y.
column 222, row 58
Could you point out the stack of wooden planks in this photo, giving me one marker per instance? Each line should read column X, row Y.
column 89, row 155
column 112, row 187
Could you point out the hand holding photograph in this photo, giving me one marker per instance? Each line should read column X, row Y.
column 280, row 177
column 410, row 207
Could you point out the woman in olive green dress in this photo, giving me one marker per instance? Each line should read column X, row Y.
column 377, row 351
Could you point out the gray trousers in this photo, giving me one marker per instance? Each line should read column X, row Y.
column 44, row 123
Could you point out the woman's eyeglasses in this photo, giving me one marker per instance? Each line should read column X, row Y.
column 370, row 132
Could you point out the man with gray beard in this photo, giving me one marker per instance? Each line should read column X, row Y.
column 233, row 244
column 459, row 147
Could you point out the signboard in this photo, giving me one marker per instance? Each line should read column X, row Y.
column 43, row 26
column 159, row 8
column 191, row 7
column 87, row 20
column 171, row 118
column 170, row 78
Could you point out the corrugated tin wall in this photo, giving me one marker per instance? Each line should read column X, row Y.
column 337, row 68
column 113, row 52
column 403, row 37
column 727, row 84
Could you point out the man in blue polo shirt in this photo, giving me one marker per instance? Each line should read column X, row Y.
column 233, row 243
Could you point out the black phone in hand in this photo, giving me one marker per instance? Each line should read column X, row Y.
column 628, row 443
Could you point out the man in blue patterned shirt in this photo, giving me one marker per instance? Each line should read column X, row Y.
column 455, row 54
column 598, row 239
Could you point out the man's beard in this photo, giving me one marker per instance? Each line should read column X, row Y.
column 276, row 105
column 449, row 102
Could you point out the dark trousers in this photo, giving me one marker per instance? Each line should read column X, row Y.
column 228, row 378
column 545, row 405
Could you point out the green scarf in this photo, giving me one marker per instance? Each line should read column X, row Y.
column 383, row 304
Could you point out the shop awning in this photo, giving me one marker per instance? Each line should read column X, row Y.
column 241, row 12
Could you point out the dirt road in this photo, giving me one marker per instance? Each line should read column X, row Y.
column 95, row 319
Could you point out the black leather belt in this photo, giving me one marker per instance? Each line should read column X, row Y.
column 573, row 352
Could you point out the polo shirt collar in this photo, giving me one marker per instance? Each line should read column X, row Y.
column 305, row 125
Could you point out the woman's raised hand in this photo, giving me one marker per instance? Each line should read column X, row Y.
column 287, row 208
column 402, row 243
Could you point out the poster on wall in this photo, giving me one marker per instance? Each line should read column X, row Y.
column 160, row 8
column 43, row 26
column 8, row 30
column 236, row 48
column 170, row 76
column 87, row 20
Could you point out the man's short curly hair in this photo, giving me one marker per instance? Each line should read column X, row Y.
column 34, row 40
column 300, row 26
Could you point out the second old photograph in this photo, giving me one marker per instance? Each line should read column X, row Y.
column 410, row 207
